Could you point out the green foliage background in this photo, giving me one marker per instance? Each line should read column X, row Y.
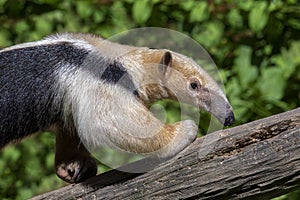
column 255, row 44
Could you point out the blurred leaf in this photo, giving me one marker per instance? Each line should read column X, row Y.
column 234, row 18
column 49, row 162
column 258, row 16
column 2, row 2
column 4, row 38
column 24, row 193
column 295, row 23
column 43, row 27
column 267, row 49
column 98, row 17
column 274, row 5
column 209, row 34
column 187, row 5
column 240, row 108
column 119, row 12
column 233, row 88
column 11, row 154
column 271, row 84
column 21, row 27
column 141, row 11
column 245, row 5
column 247, row 73
column 199, row 12
column 84, row 8
column 288, row 60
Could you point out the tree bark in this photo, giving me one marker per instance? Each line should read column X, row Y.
column 258, row 160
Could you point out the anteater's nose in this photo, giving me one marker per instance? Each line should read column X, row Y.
column 229, row 118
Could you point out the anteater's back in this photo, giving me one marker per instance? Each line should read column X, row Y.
column 28, row 77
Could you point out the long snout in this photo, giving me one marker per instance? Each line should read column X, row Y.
column 223, row 111
column 219, row 106
column 225, row 116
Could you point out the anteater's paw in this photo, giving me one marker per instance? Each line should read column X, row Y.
column 77, row 170
column 185, row 133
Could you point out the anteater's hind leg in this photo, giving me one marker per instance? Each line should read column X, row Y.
column 73, row 163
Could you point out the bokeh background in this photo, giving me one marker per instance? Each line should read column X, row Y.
column 255, row 44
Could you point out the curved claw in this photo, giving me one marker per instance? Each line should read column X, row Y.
column 77, row 170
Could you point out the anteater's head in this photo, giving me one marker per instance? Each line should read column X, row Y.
column 172, row 75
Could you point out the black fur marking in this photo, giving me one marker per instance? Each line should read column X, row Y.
column 113, row 73
column 28, row 97
column 110, row 71
column 117, row 74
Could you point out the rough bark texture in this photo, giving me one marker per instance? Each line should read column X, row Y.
column 258, row 160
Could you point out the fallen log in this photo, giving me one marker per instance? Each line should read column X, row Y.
column 257, row 160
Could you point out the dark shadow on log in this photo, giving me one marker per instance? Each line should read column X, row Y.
column 258, row 160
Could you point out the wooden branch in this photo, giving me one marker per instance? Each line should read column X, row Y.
column 258, row 160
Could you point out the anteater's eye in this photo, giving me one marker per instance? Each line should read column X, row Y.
column 193, row 86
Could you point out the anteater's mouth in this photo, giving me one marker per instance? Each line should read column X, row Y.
column 229, row 118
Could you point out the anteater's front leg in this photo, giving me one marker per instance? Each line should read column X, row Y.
column 165, row 143
column 73, row 163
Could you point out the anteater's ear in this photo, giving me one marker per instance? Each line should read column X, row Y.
column 165, row 64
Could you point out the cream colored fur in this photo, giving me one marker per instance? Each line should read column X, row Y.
column 108, row 115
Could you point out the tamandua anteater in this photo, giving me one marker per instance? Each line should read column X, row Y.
column 95, row 92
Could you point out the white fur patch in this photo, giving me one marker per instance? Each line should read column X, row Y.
column 105, row 114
